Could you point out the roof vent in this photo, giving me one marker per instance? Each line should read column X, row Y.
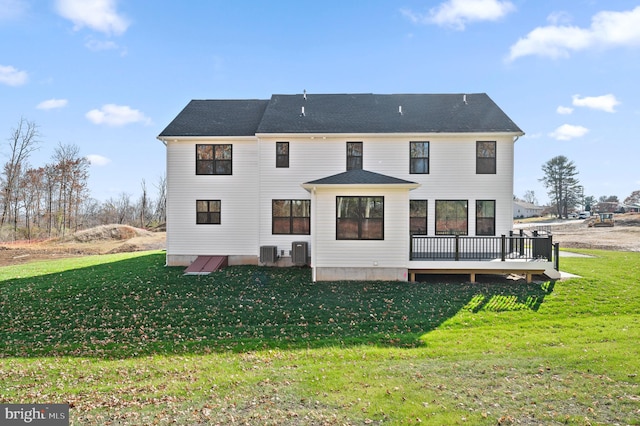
column 302, row 112
column 304, row 94
column 400, row 109
column 464, row 99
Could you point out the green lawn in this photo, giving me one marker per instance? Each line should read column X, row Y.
column 124, row 339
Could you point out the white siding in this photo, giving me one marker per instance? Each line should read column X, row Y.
column 237, row 233
column 392, row 252
column 246, row 195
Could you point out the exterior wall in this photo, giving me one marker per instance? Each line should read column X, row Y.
column 246, row 196
column 364, row 257
column 237, row 233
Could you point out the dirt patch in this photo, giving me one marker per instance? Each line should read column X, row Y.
column 623, row 236
column 99, row 240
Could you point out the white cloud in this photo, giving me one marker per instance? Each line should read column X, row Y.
column 568, row 131
column 457, row 13
column 97, row 45
column 607, row 30
column 52, row 104
column 116, row 115
column 564, row 110
column 11, row 76
column 98, row 160
column 606, row 103
column 12, row 9
column 99, row 15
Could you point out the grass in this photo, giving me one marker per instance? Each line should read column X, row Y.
column 124, row 339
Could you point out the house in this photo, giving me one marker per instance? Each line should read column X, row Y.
column 522, row 209
column 344, row 183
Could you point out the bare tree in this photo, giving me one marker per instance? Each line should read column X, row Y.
column 23, row 141
column 161, row 202
column 530, row 197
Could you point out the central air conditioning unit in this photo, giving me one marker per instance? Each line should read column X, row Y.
column 268, row 254
column 299, row 253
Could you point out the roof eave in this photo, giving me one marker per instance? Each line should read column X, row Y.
column 409, row 186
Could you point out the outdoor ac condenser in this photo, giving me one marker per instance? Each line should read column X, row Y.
column 268, row 254
column 299, row 253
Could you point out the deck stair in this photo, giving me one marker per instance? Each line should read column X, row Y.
column 204, row 265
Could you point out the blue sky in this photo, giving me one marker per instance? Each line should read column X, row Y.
column 109, row 75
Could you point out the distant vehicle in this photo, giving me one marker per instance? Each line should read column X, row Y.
column 604, row 219
column 573, row 216
column 584, row 215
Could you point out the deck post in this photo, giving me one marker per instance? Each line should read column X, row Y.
column 503, row 247
column 457, row 247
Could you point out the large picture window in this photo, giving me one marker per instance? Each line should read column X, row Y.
column 418, row 217
column 360, row 218
column 282, row 154
column 452, row 217
column 486, row 157
column 291, row 217
column 485, row 217
column 419, row 158
column 208, row 212
column 354, row 155
column 213, row 159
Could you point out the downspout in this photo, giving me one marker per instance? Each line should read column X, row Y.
column 166, row 195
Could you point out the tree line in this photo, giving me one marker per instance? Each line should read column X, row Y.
column 566, row 194
column 52, row 200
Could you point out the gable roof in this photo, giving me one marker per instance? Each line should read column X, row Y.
column 217, row 118
column 360, row 178
column 343, row 113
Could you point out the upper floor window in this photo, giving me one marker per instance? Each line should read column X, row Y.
column 282, row 154
column 291, row 217
column 208, row 212
column 485, row 217
column 418, row 217
column 354, row 155
column 360, row 218
column 213, row 159
column 486, row 157
column 419, row 157
column 452, row 217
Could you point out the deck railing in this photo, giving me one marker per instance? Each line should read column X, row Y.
column 456, row 248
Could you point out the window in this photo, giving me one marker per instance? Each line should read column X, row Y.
column 208, row 212
column 291, row 217
column 486, row 157
column 213, row 159
column 282, row 154
column 418, row 217
column 419, row 158
column 485, row 217
column 360, row 218
column 354, row 155
column 451, row 217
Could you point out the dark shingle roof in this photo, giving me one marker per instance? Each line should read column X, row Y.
column 369, row 113
column 359, row 177
column 218, row 118
column 343, row 113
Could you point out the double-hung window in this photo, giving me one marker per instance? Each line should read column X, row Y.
column 291, row 217
column 452, row 217
column 360, row 218
column 282, row 154
column 208, row 212
column 418, row 217
column 486, row 157
column 354, row 155
column 419, row 158
column 213, row 159
column 485, row 217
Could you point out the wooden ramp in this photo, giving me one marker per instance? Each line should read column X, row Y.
column 204, row 265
